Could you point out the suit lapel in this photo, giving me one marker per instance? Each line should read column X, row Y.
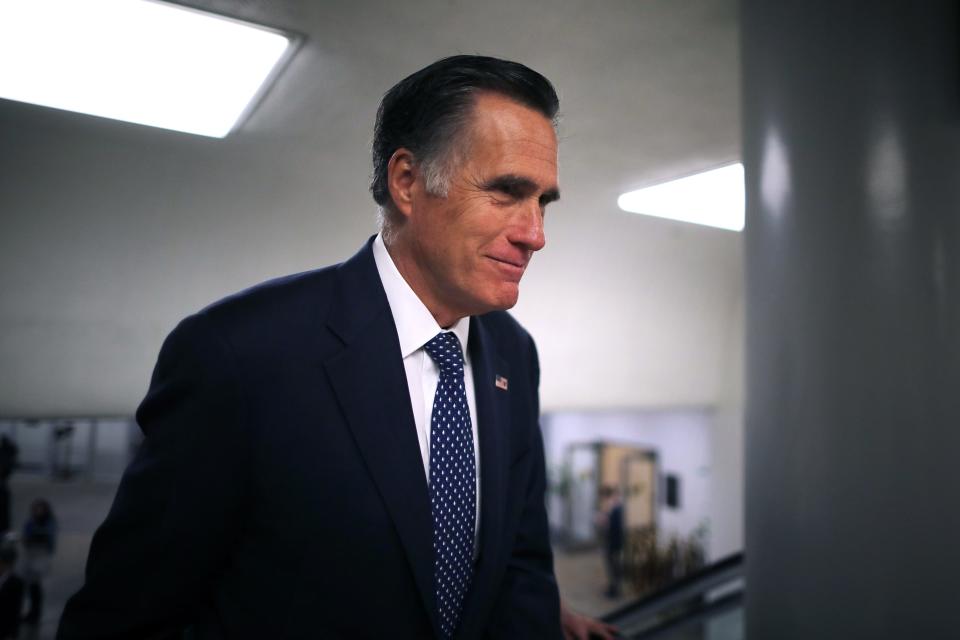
column 369, row 380
column 493, row 427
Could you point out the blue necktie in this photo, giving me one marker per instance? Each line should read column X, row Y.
column 453, row 491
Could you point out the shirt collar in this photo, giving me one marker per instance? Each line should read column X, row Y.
column 415, row 324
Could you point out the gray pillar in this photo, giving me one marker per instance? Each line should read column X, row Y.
column 852, row 155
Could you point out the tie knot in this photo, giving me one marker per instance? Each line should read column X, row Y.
column 444, row 349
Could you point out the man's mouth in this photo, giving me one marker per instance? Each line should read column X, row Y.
column 516, row 263
column 510, row 266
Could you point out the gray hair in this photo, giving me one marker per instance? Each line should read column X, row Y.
column 438, row 162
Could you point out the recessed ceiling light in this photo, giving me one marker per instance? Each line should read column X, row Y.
column 713, row 198
column 141, row 61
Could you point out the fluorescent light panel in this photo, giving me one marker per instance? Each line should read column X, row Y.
column 140, row 61
column 713, row 198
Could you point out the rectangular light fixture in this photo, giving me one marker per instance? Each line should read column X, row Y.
column 141, row 61
column 713, row 198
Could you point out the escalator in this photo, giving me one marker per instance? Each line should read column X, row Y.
column 705, row 605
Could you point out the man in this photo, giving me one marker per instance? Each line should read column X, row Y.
column 612, row 527
column 354, row 452
column 11, row 594
column 8, row 462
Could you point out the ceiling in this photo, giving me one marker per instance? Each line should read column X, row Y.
column 111, row 232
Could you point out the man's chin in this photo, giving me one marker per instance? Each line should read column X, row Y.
column 506, row 299
column 500, row 299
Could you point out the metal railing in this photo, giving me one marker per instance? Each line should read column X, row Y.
column 689, row 601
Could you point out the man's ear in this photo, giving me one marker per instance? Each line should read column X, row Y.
column 402, row 175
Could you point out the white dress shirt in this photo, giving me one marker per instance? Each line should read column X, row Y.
column 415, row 327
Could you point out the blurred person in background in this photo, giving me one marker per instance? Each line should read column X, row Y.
column 8, row 462
column 39, row 543
column 611, row 526
column 11, row 594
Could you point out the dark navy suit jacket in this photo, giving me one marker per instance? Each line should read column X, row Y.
column 279, row 491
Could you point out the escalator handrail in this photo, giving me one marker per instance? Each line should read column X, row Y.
column 703, row 613
column 696, row 583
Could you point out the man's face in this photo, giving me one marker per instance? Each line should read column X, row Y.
column 471, row 248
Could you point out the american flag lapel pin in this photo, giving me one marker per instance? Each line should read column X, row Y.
column 501, row 382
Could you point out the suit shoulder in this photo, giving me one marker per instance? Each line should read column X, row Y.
column 278, row 294
column 293, row 298
column 266, row 313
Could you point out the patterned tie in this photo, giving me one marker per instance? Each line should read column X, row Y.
column 453, row 491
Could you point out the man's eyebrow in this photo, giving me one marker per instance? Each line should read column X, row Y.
column 548, row 196
column 519, row 187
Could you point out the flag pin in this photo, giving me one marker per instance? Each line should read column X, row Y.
column 501, row 383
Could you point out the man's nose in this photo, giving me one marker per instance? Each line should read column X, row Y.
column 528, row 228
